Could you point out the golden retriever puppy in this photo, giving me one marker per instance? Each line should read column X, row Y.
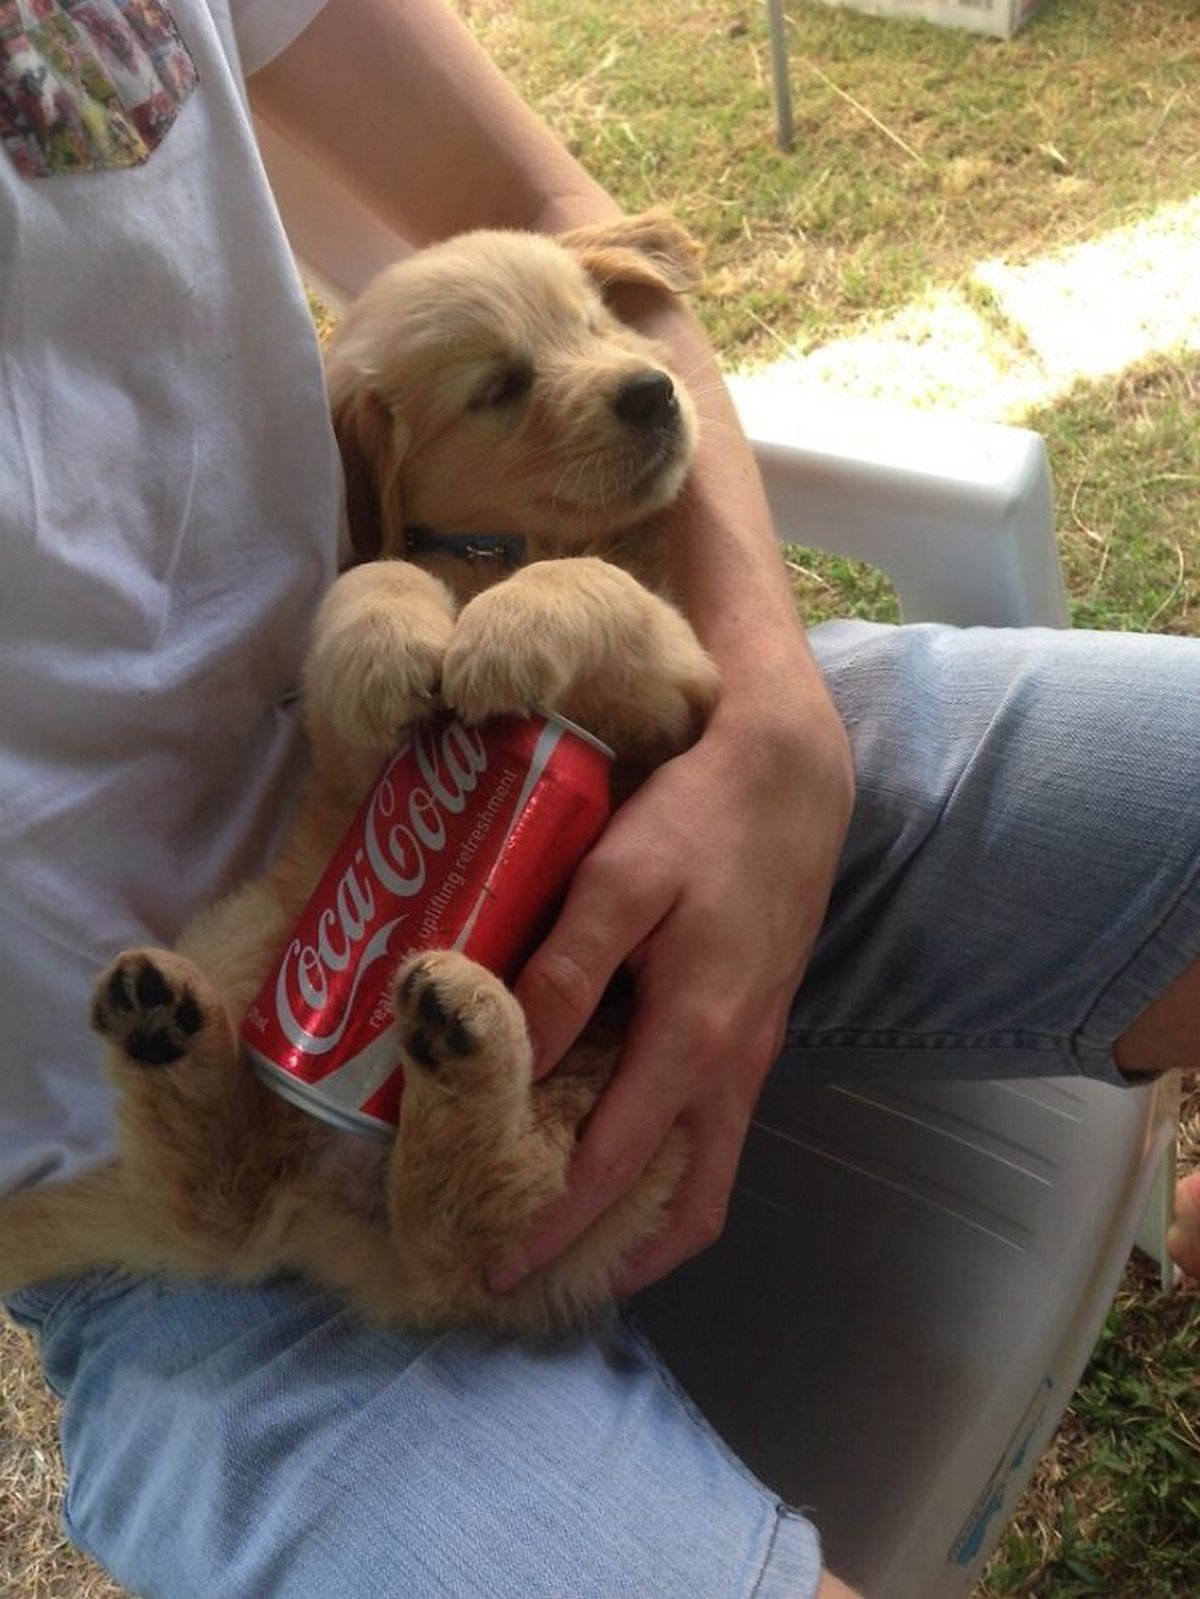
column 507, row 443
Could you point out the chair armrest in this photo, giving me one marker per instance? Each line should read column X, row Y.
column 959, row 514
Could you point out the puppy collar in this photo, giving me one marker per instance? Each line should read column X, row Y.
column 506, row 550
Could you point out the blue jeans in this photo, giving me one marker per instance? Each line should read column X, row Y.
column 1020, row 879
column 262, row 1443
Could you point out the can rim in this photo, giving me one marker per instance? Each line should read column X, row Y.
column 305, row 1098
column 581, row 732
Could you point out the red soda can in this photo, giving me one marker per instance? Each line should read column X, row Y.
column 467, row 841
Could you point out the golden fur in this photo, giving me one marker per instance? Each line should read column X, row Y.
column 481, row 386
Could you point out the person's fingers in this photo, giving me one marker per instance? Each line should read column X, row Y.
column 675, row 1070
column 698, row 1209
column 715, row 1129
column 710, row 893
column 608, row 912
column 629, row 1123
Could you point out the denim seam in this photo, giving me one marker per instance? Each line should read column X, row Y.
column 900, row 1038
column 87, row 1284
column 680, row 1395
column 783, row 1515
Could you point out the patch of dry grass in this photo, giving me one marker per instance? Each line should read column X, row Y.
column 36, row 1561
column 1126, row 461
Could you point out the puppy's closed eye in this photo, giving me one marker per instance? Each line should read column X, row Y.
column 505, row 385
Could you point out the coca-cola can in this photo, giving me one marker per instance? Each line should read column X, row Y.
column 467, row 841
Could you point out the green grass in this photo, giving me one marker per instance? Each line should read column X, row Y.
column 1116, row 1511
column 1126, row 459
column 827, row 586
column 919, row 150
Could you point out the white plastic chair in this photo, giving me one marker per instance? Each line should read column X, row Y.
column 951, row 1249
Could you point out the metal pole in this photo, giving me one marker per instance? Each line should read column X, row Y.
column 785, row 127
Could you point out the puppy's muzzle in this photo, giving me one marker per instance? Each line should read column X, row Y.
column 647, row 400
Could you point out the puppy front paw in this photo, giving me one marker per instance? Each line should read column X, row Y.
column 369, row 690
column 375, row 666
column 504, row 659
column 148, row 1005
column 582, row 638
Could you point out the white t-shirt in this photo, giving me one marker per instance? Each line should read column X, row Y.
column 168, row 508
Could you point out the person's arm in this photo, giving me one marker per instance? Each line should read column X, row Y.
column 712, row 881
column 396, row 99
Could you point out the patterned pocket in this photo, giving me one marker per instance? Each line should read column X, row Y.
column 88, row 85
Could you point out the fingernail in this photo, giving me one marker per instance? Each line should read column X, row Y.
column 539, row 1066
column 505, row 1278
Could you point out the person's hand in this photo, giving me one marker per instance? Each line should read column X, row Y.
column 710, row 885
column 1183, row 1237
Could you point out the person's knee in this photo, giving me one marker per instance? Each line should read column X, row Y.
column 1166, row 1035
column 1183, row 1238
column 831, row 1588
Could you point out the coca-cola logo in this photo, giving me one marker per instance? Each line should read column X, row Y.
column 403, row 827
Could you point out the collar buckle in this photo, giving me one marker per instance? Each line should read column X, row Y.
column 506, row 550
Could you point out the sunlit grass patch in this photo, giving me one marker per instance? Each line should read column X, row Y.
column 972, row 149
column 1126, row 459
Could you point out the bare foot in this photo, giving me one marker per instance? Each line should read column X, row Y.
column 1183, row 1240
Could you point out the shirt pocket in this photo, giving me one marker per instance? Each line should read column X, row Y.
column 88, row 85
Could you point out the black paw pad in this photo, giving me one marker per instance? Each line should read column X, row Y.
column 431, row 1030
column 420, row 1047
column 153, row 990
column 144, row 1014
column 154, row 1048
column 116, row 994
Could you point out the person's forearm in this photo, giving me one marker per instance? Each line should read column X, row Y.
column 726, row 562
column 396, row 98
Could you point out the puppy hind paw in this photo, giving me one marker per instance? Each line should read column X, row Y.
column 147, row 1010
column 434, row 1031
column 456, row 1021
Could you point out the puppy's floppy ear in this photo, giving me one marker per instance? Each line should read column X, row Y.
column 372, row 450
column 650, row 249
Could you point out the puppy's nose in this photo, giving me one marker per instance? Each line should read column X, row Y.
column 646, row 400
